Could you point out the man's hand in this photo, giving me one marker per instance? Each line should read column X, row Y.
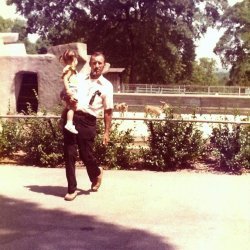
column 107, row 122
column 105, row 140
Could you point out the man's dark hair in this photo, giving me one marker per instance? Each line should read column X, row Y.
column 97, row 53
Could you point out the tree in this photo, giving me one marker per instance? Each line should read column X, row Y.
column 204, row 72
column 5, row 25
column 17, row 26
column 223, row 77
column 234, row 46
column 152, row 39
column 20, row 26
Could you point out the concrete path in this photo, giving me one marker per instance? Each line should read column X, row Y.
column 132, row 210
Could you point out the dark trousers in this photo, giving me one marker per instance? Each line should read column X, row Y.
column 83, row 141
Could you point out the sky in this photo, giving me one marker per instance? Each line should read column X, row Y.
column 204, row 48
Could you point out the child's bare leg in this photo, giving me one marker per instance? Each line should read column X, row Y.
column 69, row 125
column 70, row 115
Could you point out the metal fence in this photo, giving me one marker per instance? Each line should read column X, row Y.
column 184, row 89
column 133, row 119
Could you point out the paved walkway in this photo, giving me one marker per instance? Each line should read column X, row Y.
column 132, row 210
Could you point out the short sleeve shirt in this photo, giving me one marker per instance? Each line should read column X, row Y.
column 88, row 88
column 73, row 79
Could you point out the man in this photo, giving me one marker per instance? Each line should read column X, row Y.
column 95, row 93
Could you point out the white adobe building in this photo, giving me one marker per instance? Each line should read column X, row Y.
column 25, row 77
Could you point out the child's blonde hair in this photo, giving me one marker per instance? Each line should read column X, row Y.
column 68, row 56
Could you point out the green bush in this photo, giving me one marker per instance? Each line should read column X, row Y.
column 245, row 146
column 11, row 140
column 117, row 154
column 43, row 142
column 172, row 145
column 233, row 146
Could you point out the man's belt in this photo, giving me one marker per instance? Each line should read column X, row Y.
column 87, row 115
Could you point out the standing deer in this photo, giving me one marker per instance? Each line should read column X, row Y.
column 121, row 107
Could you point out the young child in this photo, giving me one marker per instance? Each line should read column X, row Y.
column 69, row 76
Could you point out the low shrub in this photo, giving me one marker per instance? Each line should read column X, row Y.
column 11, row 138
column 233, row 146
column 43, row 142
column 245, row 146
column 172, row 145
column 117, row 154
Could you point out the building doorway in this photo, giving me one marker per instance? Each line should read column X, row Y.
column 27, row 98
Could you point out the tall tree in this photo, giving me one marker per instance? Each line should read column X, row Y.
column 5, row 24
column 234, row 46
column 204, row 73
column 20, row 26
column 152, row 39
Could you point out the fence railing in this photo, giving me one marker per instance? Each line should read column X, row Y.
column 133, row 119
column 184, row 89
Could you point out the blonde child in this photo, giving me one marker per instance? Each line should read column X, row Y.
column 69, row 76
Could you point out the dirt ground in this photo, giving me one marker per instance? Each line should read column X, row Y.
column 133, row 210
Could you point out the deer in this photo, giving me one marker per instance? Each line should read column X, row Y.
column 121, row 107
column 155, row 111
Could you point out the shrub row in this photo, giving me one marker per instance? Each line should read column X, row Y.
column 171, row 145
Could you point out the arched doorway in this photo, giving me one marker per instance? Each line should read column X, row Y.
column 27, row 98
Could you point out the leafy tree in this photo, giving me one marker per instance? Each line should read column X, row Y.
column 16, row 25
column 223, row 77
column 152, row 39
column 204, row 72
column 234, row 46
column 5, row 25
column 20, row 26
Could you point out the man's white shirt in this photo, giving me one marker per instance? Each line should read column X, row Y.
column 87, row 88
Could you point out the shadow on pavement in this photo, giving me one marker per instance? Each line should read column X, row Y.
column 25, row 225
column 54, row 190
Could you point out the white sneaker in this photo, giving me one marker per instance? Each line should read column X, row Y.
column 71, row 128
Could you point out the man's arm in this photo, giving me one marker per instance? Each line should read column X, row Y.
column 107, row 125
